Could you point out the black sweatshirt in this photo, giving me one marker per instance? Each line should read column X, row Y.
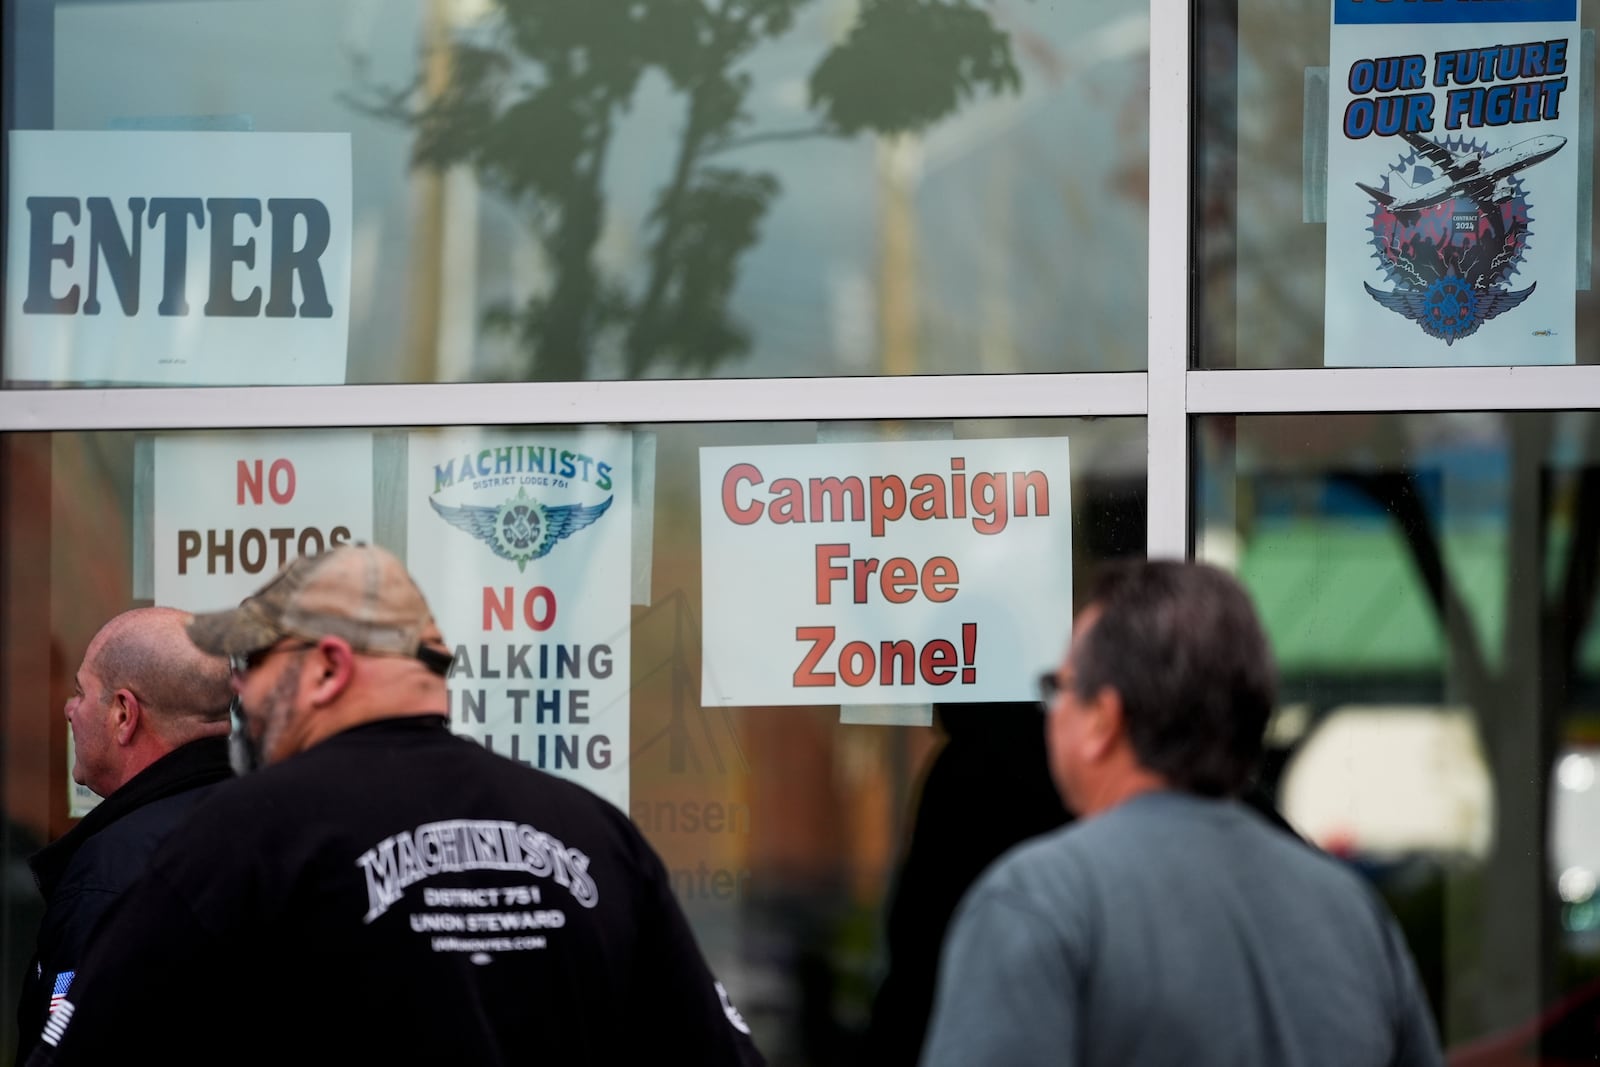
column 399, row 895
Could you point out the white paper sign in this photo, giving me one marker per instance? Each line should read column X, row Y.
column 1452, row 183
column 890, row 573
column 521, row 543
column 178, row 258
column 231, row 509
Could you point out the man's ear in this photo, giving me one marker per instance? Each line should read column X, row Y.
column 1103, row 730
column 330, row 668
column 126, row 714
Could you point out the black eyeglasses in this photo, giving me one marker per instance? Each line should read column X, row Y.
column 1050, row 686
column 242, row 663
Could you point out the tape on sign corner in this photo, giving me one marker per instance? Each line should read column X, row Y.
column 886, row 714
column 1314, row 147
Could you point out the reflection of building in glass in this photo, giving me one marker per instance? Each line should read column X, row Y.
column 1382, row 782
column 1426, row 581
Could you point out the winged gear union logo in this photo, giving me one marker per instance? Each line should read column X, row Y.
column 1450, row 228
column 521, row 529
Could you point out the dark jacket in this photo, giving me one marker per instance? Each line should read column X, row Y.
column 986, row 790
column 397, row 894
column 82, row 873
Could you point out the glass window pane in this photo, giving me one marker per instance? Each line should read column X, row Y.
column 1430, row 583
column 781, row 825
column 546, row 191
column 1264, row 197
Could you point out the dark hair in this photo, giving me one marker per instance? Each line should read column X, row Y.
column 1181, row 645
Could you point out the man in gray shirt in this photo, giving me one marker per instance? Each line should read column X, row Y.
column 1170, row 924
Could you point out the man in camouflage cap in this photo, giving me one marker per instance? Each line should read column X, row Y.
column 384, row 891
column 366, row 619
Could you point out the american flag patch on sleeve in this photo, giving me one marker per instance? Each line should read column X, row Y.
column 57, row 995
column 56, row 1025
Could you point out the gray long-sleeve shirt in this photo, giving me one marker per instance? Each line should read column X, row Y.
column 1176, row 930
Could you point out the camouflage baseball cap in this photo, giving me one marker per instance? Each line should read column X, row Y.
column 358, row 592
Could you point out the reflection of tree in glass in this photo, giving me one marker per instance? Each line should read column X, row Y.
column 1552, row 526
column 533, row 108
column 1263, row 293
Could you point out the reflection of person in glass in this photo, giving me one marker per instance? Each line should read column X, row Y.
column 987, row 789
column 1170, row 924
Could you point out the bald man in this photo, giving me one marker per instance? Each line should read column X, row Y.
column 382, row 890
column 149, row 716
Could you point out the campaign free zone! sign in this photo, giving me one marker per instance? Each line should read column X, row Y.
column 899, row 572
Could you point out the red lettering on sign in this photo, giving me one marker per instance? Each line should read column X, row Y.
column 894, row 662
column 538, row 608
column 939, row 579
column 740, row 472
column 827, row 571
column 280, row 481
column 898, row 579
column 821, row 638
column 248, row 481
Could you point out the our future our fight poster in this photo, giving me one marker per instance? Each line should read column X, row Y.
column 1452, row 182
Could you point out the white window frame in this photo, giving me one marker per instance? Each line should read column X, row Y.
column 1168, row 395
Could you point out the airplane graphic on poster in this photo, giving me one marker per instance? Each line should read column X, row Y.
column 1466, row 174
